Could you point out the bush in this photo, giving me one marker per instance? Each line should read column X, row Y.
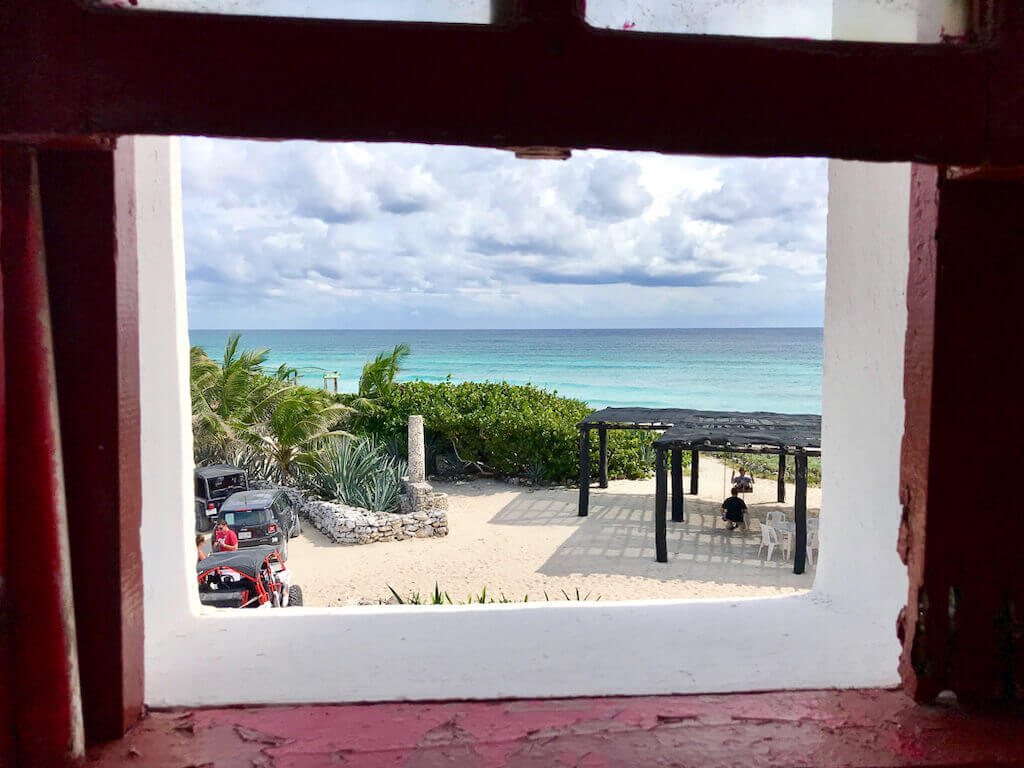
column 357, row 472
column 515, row 430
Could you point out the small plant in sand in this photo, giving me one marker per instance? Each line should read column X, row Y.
column 437, row 597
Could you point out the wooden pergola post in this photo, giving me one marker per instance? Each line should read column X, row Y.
column 660, row 504
column 800, row 513
column 584, row 505
column 694, row 471
column 782, row 477
column 602, row 461
column 677, row 485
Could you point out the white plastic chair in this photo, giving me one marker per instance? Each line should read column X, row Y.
column 812, row 540
column 770, row 539
column 775, row 515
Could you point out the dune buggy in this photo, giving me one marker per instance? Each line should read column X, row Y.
column 249, row 578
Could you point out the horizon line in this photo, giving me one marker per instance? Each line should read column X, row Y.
column 471, row 330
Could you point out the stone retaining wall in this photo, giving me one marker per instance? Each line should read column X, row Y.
column 353, row 525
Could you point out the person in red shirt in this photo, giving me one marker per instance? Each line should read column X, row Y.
column 224, row 539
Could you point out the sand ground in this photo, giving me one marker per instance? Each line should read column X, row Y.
column 520, row 541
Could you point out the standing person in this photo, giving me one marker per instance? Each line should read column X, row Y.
column 224, row 539
column 200, row 540
column 733, row 510
column 742, row 482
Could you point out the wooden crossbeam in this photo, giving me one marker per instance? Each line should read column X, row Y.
column 530, row 84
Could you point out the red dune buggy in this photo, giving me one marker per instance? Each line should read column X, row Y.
column 255, row 577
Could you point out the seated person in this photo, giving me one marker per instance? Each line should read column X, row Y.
column 742, row 482
column 733, row 510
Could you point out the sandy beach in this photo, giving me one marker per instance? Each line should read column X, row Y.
column 519, row 541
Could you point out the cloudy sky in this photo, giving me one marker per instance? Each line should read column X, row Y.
column 309, row 235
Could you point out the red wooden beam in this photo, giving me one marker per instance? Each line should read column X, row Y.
column 963, row 628
column 95, row 329
column 6, row 711
column 531, row 84
column 44, row 667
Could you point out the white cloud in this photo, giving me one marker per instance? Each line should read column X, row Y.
column 301, row 234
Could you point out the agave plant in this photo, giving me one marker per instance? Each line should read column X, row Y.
column 357, row 472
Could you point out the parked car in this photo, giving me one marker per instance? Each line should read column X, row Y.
column 214, row 484
column 262, row 518
column 248, row 578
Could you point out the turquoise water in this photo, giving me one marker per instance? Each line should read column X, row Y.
column 759, row 369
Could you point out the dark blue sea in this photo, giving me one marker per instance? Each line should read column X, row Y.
column 757, row 369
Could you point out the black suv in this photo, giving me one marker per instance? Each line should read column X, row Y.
column 213, row 486
column 262, row 517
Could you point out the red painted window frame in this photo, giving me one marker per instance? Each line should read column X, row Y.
column 74, row 78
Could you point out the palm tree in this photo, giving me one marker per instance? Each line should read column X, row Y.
column 287, row 373
column 228, row 397
column 378, row 377
column 300, row 426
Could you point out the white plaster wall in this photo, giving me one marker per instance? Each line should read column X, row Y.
column 865, row 322
column 167, row 515
column 840, row 635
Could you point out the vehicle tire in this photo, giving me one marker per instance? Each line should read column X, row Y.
column 294, row 596
column 297, row 528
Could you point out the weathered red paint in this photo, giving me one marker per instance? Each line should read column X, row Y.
column 820, row 728
column 553, row 82
column 43, row 658
column 964, row 623
column 6, row 712
column 95, row 329
column 917, row 392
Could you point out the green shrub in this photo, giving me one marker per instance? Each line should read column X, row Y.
column 515, row 430
column 357, row 472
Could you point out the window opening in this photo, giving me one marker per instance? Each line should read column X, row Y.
column 450, row 11
column 503, row 300
column 750, row 18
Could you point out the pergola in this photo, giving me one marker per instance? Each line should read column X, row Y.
column 782, row 434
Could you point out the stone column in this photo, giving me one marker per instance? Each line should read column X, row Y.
column 417, row 453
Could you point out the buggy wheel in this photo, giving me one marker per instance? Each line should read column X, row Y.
column 296, row 527
column 294, row 595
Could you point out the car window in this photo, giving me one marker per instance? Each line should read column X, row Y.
column 224, row 486
column 241, row 518
column 200, row 488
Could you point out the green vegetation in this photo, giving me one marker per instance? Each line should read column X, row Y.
column 767, row 466
column 351, row 447
column 437, row 597
column 505, row 429
column 242, row 415
column 357, row 472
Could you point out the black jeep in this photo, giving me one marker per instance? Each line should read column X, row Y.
column 262, row 518
column 213, row 486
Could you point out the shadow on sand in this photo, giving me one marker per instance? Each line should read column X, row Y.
column 618, row 538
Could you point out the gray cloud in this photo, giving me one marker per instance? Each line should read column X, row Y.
column 321, row 235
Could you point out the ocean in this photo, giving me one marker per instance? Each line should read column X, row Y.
column 756, row 369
